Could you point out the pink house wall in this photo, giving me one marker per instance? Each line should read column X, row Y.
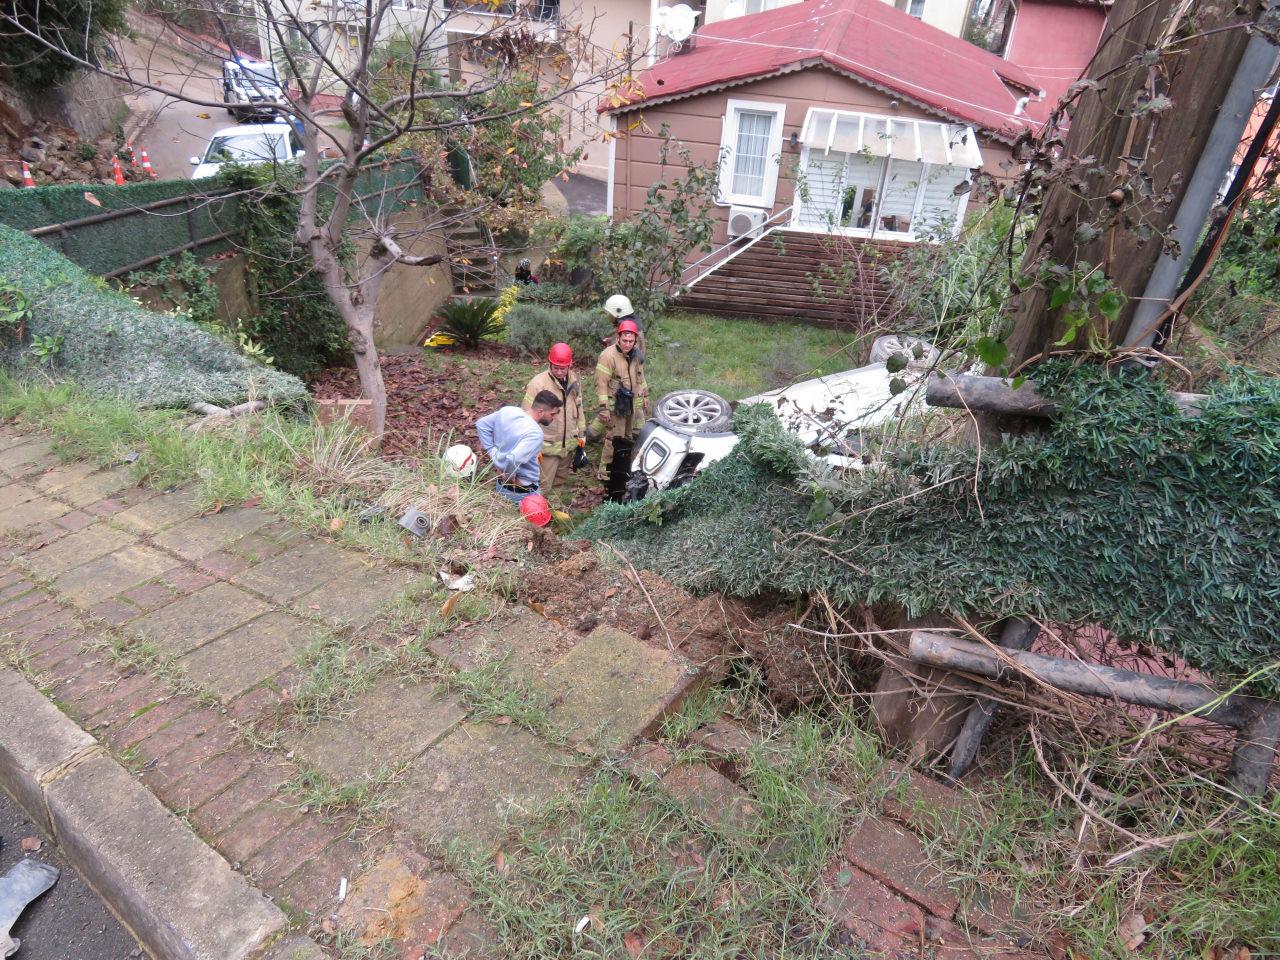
column 696, row 121
column 1054, row 41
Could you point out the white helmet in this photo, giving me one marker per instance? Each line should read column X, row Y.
column 460, row 461
column 618, row 307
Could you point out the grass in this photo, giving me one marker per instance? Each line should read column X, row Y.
column 333, row 670
column 363, row 799
column 492, row 693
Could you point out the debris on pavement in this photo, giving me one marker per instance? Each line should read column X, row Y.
column 22, row 884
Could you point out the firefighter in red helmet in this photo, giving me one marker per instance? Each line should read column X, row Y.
column 622, row 394
column 564, row 446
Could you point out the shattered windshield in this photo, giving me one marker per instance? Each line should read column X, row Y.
column 245, row 149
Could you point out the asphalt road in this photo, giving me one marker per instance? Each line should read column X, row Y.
column 180, row 130
column 68, row 922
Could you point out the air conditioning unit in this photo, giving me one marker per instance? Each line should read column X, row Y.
column 745, row 221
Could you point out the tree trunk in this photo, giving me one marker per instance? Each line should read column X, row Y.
column 1137, row 135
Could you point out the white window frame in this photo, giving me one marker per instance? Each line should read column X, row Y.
column 773, row 159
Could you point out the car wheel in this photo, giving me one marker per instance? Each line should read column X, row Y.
column 693, row 411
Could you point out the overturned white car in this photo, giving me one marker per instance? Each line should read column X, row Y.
column 830, row 415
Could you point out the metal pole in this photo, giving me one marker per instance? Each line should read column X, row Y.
column 1253, row 73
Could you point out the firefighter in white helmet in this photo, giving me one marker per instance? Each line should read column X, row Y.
column 619, row 308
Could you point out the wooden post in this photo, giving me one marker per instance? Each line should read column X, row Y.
column 1255, row 752
column 1016, row 635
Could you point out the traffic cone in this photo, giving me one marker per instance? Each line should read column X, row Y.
column 116, row 171
column 27, row 180
column 146, row 165
column 133, row 154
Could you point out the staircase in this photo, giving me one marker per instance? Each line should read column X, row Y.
column 473, row 260
column 781, row 277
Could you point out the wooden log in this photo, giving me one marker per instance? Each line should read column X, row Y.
column 208, row 409
column 1255, row 752
column 1016, row 635
column 1160, row 693
column 995, row 395
column 249, row 406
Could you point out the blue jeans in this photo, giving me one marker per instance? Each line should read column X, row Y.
column 515, row 496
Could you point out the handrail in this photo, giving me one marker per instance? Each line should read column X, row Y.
column 765, row 230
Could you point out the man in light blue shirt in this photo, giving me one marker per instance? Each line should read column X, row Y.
column 513, row 440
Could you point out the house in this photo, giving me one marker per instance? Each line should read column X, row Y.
column 950, row 16
column 831, row 120
column 1052, row 40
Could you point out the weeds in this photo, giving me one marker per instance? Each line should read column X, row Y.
column 492, row 693
column 333, row 671
column 363, row 799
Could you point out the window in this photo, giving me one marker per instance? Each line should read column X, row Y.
column 751, row 149
column 914, row 7
column 759, row 6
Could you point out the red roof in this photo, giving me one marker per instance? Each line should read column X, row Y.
column 866, row 39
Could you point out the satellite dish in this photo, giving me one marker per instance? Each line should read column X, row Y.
column 676, row 23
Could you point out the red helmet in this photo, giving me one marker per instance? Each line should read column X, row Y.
column 628, row 326
column 561, row 355
column 536, row 509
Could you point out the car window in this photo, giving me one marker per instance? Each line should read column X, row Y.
column 246, row 149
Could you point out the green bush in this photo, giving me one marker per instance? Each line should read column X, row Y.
column 1160, row 527
column 471, row 321
column 113, row 347
column 533, row 328
column 552, row 294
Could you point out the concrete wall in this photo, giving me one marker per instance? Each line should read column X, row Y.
column 89, row 103
column 697, row 121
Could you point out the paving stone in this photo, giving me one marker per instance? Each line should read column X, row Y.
column 389, row 724
column 127, row 707
column 52, row 482
column 39, row 610
column 71, row 679
column 222, row 564
column 300, row 570
column 254, row 706
column 208, row 778
column 648, row 761
column 96, row 487
column 176, row 765
column 141, row 725
column 24, row 514
column 528, row 645
column 76, row 520
column 612, row 688
column 12, row 610
column 108, row 576
column 76, row 549
column 879, row 921
column 184, row 580
column 404, row 898
column 312, row 890
column 712, row 798
column 296, row 947
column 922, row 803
column 34, row 633
column 253, row 832
column 113, row 612
column 356, row 598
column 68, row 644
column 108, row 691
column 14, row 459
column 246, row 656
column 222, row 813
column 10, row 438
column 898, row 859
column 149, row 596
column 469, row 785
column 283, row 856
column 724, row 738
column 274, row 538
column 186, row 624
column 16, row 494
column 194, row 538
column 159, row 512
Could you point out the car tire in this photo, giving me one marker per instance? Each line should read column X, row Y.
column 884, row 347
column 693, row 412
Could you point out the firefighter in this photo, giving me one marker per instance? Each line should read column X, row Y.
column 619, row 307
column 564, row 443
column 621, row 391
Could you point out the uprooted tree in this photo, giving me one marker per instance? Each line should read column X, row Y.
column 369, row 80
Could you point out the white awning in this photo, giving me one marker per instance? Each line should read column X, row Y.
column 945, row 144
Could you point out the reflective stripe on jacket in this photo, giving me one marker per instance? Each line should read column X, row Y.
column 616, row 369
column 562, row 433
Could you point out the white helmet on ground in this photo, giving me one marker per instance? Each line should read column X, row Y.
column 618, row 306
column 460, row 461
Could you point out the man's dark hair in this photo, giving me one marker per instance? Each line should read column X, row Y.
column 547, row 400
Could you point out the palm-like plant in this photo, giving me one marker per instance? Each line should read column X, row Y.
column 471, row 321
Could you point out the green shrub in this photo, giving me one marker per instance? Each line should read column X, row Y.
column 533, row 328
column 553, row 294
column 471, row 321
column 113, row 347
column 1126, row 513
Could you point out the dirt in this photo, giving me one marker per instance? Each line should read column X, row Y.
column 426, row 405
column 584, row 591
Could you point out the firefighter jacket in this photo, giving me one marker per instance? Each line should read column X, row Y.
column 561, row 434
column 616, row 369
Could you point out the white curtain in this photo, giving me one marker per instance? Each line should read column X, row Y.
column 751, row 153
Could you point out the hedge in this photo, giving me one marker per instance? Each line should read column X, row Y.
column 114, row 347
column 1163, row 528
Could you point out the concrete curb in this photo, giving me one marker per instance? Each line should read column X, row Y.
column 179, row 898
